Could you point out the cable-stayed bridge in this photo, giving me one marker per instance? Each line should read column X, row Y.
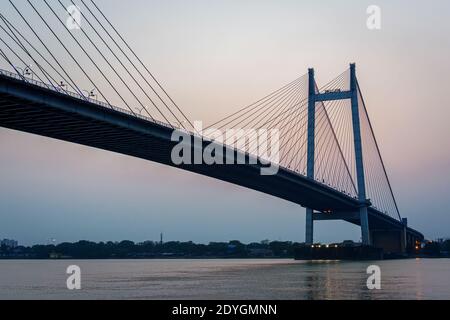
column 329, row 160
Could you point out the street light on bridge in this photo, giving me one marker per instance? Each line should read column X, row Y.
column 63, row 86
column 91, row 94
column 26, row 71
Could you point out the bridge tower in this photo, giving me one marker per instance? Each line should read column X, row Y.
column 309, row 236
column 353, row 95
column 361, row 181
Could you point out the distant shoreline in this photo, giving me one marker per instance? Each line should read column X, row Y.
column 126, row 249
column 183, row 258
column 150, row 250
column 137, row 259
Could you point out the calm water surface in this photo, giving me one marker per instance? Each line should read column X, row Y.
column 225, row 279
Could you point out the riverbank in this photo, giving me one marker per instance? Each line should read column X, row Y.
column 86, row 250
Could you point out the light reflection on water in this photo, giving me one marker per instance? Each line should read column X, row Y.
column 225, row 279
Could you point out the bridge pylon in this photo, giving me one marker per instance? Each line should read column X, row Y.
column 314, row 97
column 309, row 235
column 365, row 233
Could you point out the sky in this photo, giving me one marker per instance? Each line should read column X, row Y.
column 215, row 57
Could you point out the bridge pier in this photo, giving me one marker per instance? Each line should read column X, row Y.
column 309, row 236
column 365, row 233
column 391, row 241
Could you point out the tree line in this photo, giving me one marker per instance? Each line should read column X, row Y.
column 150, row 249
column 174, row 249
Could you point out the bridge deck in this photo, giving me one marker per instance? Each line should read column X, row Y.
column 34, row 109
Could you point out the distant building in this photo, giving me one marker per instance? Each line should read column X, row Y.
column 9, row 243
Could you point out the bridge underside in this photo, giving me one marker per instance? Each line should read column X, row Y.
column 44, row 112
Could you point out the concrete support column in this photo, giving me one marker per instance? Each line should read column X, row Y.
column 365, row 233
column 404, row 235
column 309, row 234
column 404, row 240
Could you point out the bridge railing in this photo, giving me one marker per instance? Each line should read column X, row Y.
column 82, row 97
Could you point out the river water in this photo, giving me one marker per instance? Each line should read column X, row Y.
column 225, row 279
